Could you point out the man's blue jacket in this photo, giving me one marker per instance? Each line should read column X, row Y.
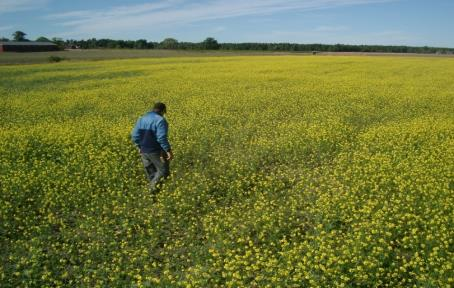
column 150, row 133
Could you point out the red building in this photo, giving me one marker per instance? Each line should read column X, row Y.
column 27, row 46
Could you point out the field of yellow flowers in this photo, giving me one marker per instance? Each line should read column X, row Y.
column 289, row 171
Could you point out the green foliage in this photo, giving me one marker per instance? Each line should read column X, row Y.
column 19, row 36
column 59, row 42
column 42, row 39
column 140, row 44
column 289, row 172
column 55, row 59
column 169, row 43
column 210, row 44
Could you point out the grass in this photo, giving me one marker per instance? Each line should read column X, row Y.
column 111, row 54
column 107, row 54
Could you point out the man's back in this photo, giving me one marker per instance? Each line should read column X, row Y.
column 150, row 133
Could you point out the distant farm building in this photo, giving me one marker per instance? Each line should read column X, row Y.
column 27, row 46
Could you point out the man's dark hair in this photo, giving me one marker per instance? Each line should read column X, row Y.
column 159, row 107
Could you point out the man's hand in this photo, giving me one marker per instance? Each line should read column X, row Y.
column 169, row 155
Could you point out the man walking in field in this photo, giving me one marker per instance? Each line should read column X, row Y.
column 150, row 136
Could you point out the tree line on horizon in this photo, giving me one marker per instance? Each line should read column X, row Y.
column 212, row 44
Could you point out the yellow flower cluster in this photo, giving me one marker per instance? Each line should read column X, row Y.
column 289, row 172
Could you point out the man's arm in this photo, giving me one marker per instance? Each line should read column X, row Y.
column 161, row 136
column 135, row 134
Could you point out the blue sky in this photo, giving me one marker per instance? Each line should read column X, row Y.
column 399, row 22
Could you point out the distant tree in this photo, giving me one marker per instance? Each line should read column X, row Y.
column 19, row 36
column 210, row 44
column 59, row 42
column 140, row 44
column 152, row 45
column 42, row 39
column 169, row 43
column 3, row 39
column 113, row 44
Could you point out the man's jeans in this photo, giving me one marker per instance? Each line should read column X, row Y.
column 155, row 168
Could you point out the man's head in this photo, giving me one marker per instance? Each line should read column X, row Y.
column 159, row 108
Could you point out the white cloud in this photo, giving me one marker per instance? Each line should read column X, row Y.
column 7, row 6
column 149, row 16
column 118, row 11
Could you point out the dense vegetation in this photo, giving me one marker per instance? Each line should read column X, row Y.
column 289, row 172
column 169, row 44
column 212, row 44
